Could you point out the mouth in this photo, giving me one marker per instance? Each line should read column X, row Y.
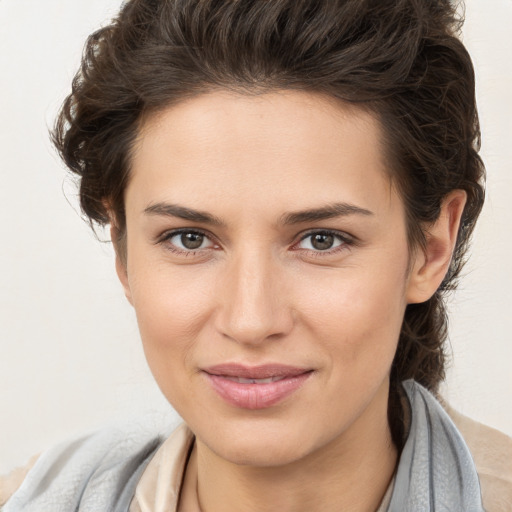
column 242, row 380
column 256, row 387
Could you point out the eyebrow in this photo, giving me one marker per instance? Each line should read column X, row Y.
column 327, row 212
column 311, row 215
column 174, row 210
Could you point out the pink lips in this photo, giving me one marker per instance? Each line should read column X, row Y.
column 255, row 387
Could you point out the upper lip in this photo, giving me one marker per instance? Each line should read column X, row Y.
column 263, row 371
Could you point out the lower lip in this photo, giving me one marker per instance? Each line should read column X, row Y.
column 256, row 396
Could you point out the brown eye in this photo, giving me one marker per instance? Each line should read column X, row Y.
column 185, row 241
column 322, row 241
column 192, row 240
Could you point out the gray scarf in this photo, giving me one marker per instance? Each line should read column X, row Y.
column 99, row 473
column 436, row 472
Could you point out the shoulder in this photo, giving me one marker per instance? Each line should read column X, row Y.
column 10, row 483
column 492, row 454
column 94, row 469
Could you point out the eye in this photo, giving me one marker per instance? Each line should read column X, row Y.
column 188, row 241
column 322, row 241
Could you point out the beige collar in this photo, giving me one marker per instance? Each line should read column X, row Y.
column 159, row 487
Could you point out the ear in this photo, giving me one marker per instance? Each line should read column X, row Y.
column 431, row 264
column 121, row 265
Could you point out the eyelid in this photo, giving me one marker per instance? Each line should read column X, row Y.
column 348, row 240
column 166, row 236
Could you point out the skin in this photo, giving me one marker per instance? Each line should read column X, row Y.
column 258, row 291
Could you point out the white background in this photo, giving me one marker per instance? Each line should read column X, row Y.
column 70, row 356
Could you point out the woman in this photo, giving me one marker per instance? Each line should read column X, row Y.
column 290, row 186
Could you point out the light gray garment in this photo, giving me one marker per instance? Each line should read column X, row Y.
column 99, row 473
column 436, row 472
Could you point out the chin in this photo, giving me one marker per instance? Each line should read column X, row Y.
column 263, row 443
column 260, row 453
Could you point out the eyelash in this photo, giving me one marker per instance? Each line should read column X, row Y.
column 347, row 241
column 167, row 236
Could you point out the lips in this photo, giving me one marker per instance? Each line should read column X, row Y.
column 241, row 380
column 256, row 387
column 265, row 371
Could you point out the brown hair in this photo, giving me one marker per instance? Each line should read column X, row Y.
column 401, row 59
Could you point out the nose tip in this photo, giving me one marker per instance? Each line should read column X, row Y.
column 249, row 329
column 255, row 306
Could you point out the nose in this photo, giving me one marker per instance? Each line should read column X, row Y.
column 255, row 302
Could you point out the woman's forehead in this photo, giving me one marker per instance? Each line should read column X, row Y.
column 287, row 112
column 290, row 148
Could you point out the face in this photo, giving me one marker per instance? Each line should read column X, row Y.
column 267, row 264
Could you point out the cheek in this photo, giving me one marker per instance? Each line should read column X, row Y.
column 171, row 310
column 357, row 314
column 165, row 295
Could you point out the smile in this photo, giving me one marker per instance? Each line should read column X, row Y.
column 255, row 387
column 241, row 380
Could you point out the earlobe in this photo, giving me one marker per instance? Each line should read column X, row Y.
column 121, row 267
column 431, row 264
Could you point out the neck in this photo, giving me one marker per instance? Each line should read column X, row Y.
column 351, row 473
